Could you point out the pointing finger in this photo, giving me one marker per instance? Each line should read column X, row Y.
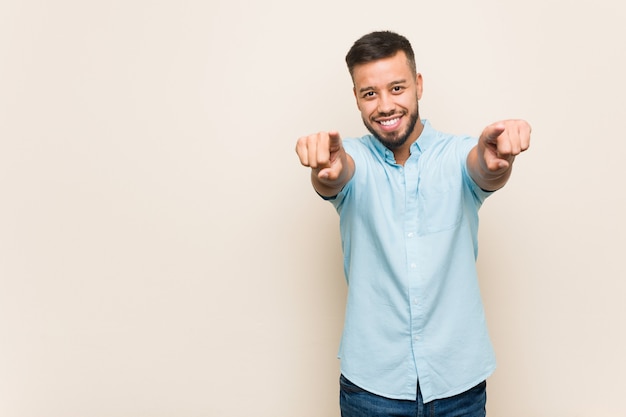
column 491, row 132
column 504, row 146
column 334, row 139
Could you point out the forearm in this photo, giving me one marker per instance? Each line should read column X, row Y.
column 485, row 178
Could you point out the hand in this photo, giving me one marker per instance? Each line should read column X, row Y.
column 323, row 153
column 501, row 142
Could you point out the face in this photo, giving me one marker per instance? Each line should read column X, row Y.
column 387, row 95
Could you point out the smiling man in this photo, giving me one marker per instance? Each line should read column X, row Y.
column 389, row 105
column 415, row 341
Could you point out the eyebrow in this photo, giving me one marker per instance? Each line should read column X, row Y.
column 391, row 84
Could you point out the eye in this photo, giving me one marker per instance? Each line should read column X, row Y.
column 397, row 88
column 369, row 94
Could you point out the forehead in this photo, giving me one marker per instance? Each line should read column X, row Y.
column 382, row 71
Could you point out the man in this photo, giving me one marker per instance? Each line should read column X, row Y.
column 415, row 340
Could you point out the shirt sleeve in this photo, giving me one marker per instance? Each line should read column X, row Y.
column 352, row 148
column 466, row 145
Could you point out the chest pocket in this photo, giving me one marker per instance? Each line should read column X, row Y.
column 440, row 207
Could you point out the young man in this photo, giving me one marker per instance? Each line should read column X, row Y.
column 415, row 340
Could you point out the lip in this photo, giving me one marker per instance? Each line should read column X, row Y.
column 389, row 124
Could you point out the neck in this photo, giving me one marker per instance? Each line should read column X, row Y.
column 403, row 153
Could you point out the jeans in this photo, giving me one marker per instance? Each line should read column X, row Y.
column 356, row 402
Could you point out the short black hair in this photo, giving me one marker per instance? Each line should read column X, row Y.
column 379, row 45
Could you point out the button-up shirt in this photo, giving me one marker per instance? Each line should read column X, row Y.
column 409, row 238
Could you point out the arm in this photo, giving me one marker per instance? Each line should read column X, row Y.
column 331, row 167
column 490, row 162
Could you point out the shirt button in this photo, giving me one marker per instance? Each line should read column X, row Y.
column 410, row 234
column 413, row 266
column 414, row 301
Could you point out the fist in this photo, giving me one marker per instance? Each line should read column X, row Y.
column 323, row 153
column 501, row 142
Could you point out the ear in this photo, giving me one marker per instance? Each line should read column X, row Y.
column 356, row 98
column 419, row 83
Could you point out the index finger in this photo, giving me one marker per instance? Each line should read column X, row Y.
column 334, row 138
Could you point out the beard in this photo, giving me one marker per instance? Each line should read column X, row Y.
column 394, row 140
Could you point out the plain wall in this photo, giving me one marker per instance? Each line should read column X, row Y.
column 163, row 254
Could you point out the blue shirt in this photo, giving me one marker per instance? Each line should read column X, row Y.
column 409, row 237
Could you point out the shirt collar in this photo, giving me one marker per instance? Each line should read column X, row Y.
column 425, row 139
column 423, row 142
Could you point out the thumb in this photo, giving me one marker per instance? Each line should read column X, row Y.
column 494, row 163
column 330, row 173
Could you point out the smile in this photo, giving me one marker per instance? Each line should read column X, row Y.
column 390, row 123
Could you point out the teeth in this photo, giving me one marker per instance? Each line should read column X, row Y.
column 389, row 122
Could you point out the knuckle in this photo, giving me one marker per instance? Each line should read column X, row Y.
column 313, row 139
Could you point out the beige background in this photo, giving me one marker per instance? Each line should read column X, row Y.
column 162, row 252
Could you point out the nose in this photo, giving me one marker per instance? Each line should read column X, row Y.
column 385, row 104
